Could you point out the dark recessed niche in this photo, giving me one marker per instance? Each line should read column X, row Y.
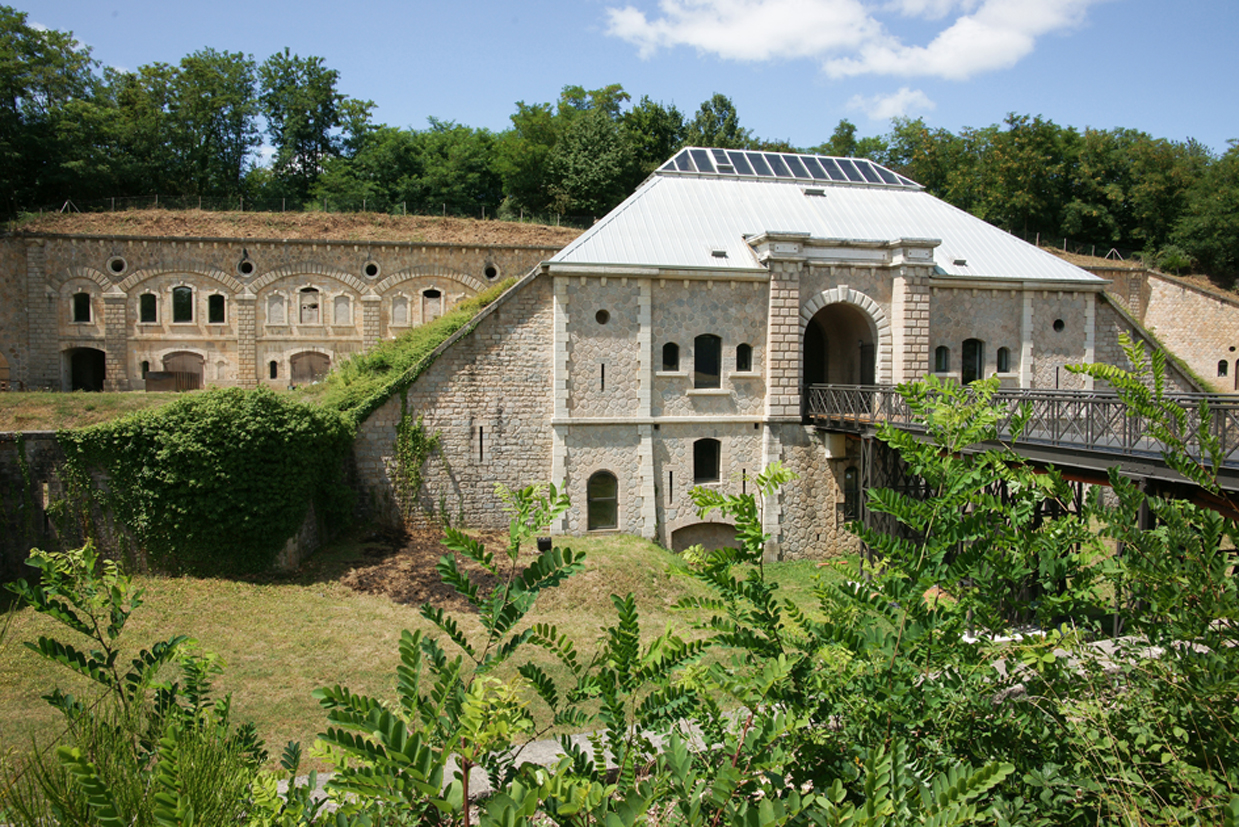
column 491, row 272
column 602, row 317
column 371, row 269
column 1059, row 325
column 117, row 264
column 246, row 267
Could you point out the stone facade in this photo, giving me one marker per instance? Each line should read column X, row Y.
column 82, row 311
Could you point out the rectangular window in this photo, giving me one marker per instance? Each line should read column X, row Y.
column 707, row 361
column 215, row 309
column 148, row 308
column 705, row 461
column 182, row 304
column 81, row 307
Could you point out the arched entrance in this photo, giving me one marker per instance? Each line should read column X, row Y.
column 840, row 347
column 309, row 367
column 86, row 366
column 186, row 370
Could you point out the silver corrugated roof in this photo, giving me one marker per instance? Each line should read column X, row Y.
column 681, row 218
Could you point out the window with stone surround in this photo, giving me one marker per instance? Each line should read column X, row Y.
column 400, row 311
column 671, row 356
column 273, row 369
column 275, row 310
column 707, row 361
column 432, row 305
column 215, row 309
column 744, row 358
column 342, row 312
column 706, row 461
column 81, row 307
column 182, row 305
column 309, row 306
column 1223, row 367
column 602, row 495
column 1004, row 360
column 942, row 359
column 148, row 308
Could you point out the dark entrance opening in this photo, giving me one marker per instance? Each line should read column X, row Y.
column 86, row 368
column 973, row 365
column 839, row 347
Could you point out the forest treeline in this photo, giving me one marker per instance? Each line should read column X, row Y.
column 278, row 134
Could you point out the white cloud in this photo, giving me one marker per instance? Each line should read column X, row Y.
column 848, row 36
column 897, row 105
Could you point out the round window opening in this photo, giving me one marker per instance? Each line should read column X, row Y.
column 246, row 267
column 117, row 264
column 1058, row 325
column 491, row 272
column 371, row 269
column 602, row 317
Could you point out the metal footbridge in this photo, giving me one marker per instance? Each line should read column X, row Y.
column 1081, row 432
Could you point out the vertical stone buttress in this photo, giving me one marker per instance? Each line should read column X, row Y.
column 783, row 385
column 1027, row 353
column 559, row 384
column 1090, row 335
column 645, row 391
column 42, row 321
column 115, row 341
column 910, row 326
column 371, row 304
column 247, row 340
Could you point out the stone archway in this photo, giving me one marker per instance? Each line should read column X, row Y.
column 840, row 347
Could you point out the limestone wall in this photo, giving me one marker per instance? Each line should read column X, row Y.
column 812, row 519
column 28, row 480
column 1200, row 327
column 995, row 317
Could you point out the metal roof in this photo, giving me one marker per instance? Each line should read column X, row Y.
column 689, row 215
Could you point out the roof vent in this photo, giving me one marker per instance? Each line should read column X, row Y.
column 726, row 168
column 719, row 253
column 961, row 262
column 815, row 191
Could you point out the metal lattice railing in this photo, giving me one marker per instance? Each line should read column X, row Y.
column 1086, row 420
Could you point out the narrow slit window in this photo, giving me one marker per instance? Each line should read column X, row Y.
column 942, row 359
column 602, row 377
column 273, row 369
column 1004, row 360
column 481, row 444
column 1222, row 368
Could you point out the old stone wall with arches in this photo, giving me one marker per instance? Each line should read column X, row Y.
column 132, row 312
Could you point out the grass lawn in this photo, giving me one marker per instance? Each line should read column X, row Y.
column 51, row 411
column 281, row 638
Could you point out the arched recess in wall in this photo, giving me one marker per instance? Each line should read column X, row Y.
column 191, row 272
column 185, row 370
column 85, row 368
column 309, row 366
column 709, row 536
column 845, row 339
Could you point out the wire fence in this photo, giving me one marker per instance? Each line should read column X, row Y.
column 326, row 205
column 1081, row 248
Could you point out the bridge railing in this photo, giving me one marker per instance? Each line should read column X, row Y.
column 1086, row 420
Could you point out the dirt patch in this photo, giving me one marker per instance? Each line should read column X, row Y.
column 302, row 226
column 402, row 567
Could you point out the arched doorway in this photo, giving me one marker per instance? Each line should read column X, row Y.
column 87, row 366
column 309, row 367
column 972, row 364
column 839, row 347
column 185, row 369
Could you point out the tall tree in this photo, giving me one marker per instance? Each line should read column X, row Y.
column 1209, row 228
column 654, row 133
column 589, row 167
column 717, row 124
column 214, row 113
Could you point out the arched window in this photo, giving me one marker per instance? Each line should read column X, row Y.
column 215, row 309
column 146, row 368
column 972, row 361
column 182, row 304
column 707, row 361
column 705, row 461
column 273, row 369
column 1004, row 360
column 148, row 308
column 851, row 494
column 343, row 312
column 602, row 494
column 432, row 305
column 671, row 356
column 309, row 306
column 275, row 310
column 942, row 359
column 744, row 358
column 1222, row 367
column 81, row 307
column 400, row 311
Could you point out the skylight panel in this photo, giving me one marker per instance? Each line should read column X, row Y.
column 684, row 163
column 886, row 175
column 797, row 168
column 740, row 162
column 776, row 164
column 832, row 169
column 815, row 168
column 849, row 169
column 867, row 171
column 759, row 165
column 702, row 159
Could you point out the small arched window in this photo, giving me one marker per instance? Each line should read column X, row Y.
column 671, row 356
column 1004, row 360
column 182, row 304
column 602, row 495
column 707, row 361
column 432, row 305
column 148, row 308
column 744, row 358
column 273, row 369
column 81, row 307
column 309, row 313
column 1222, row 368
column 942, row 359
column 146, row 368
column 705, row 461
column 215, row 309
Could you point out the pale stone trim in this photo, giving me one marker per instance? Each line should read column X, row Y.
column 1026, row 346
column 308, row 269
column 645, row 356
column 1090, row 335
column 427, row 271
column 138, row 276
column 90, row 273
column 772, row 506
column 879, row 324
column 649, row 506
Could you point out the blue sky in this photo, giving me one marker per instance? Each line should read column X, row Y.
column 793, row 68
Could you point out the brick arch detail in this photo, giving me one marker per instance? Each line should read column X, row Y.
column 877, row 317
column 83, row 273
column 307, row 269
column 189, row 269
column 429, row 271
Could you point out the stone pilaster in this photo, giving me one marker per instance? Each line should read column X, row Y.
column 247, row 340
column 42, row 321
column 645, row 349
column 559, row 385
column 116, row 341
column 783, row 342
column 649, row 507
column 371, row 305
column 772, row 507
column 909, row 326
column 1027, row 352
column 1090, row 335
